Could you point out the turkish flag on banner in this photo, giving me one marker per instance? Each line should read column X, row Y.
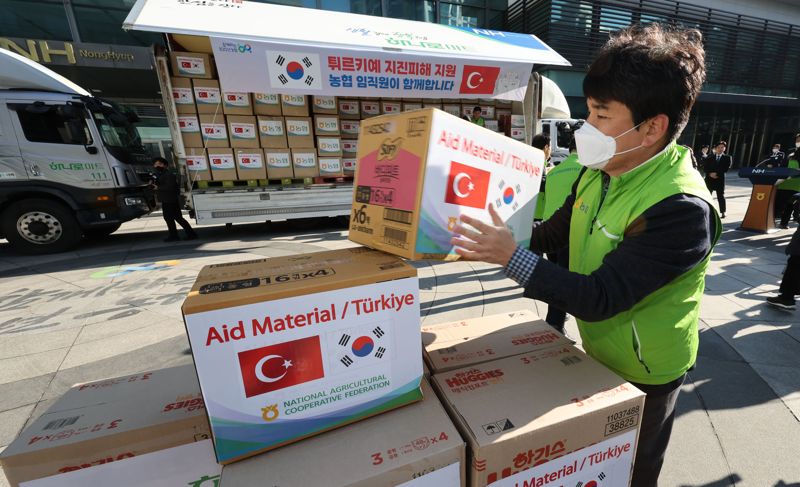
column 467, row 186
column 479, row 80
column 287, row 364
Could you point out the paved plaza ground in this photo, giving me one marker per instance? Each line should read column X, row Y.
column 113, row 308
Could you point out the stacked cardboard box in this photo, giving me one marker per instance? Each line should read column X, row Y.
column 151, row 425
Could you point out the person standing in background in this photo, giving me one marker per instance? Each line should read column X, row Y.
column 785, row 201
column 776, row 158
column 715, row 168
column 477, row 119
column 169, row 193
column 542, row 142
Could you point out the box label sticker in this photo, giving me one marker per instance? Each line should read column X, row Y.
column 267, row 99
column 271, row 128
column 206, row 96
column 250, row 161
column 348, row 107
column 605, row 463
column 391, row 108
column 388, row 177
column 517, row 133
column 279, row 160
column 443, row 477
column 328, row 125
column 349, row 164
column 214, row 131
column 325, row 102
column 294, row 100
column 370, row 108
column 191, row 65
column 243, row 131
column 221, row 161
column 330, row 165
column 350, row 146
column 188, row 124
column 235, row 99
column 298, row 127
column 196, row 163
column 350, row 127
column 305, row 159
column 412, row 106
column 182, row 96
column 330, row 145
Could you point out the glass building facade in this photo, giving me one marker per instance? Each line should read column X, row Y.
column 751, row 98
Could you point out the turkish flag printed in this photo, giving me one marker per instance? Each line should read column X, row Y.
column 479, row 80
column 287, row 364
column 467, row 186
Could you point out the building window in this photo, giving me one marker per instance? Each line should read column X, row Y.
column 53, row 125
column 461, row 15
column 34, row 19
column 100, row 21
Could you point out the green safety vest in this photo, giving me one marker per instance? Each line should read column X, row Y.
column 655, row 341
column 792, row 184
column 559, row 184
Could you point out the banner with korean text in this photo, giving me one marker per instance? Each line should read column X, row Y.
column 263, row 67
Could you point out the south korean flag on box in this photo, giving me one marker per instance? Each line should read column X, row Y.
column 358, row 347
column 294, row 70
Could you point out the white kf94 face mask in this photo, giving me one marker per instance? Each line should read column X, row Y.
column 595, row 148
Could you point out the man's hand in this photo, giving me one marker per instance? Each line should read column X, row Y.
column 491, row 243
column 712, row 175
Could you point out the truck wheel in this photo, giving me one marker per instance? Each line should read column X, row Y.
column 39, row 226
column 100, row 231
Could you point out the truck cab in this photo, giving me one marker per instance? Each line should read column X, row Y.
column 71, row 165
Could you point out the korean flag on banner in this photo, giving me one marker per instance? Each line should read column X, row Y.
column 353, row 348
column 294, row 70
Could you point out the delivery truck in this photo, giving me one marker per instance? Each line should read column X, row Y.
column 249, row 52
column 71, row 165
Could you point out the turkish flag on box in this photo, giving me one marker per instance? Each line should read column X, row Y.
column 467, row 186
column 287, row 364
column 479, row 80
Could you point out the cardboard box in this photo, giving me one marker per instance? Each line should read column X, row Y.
column 452, row 109
column 197, row 164
column 279, row 163
column 214, row 131
column 244, row 132
column 289, row 347
column 304, row 162
column 492, row 125
column 432, row 105
column 391, row 107
column 272, row 132
column 413, row 446
column 502, row 112
column 370, row 108
column 407, row 107
column 487, row 111
column 418, row 172
column 350, row 109
column 223, row 164
column 183, row 96
column 518, row 121
column 458, row 344
column 207, row 96
column 325, row 125
column 192, row 65
column 117, row 419
column 349, row 166
column 554, row 414
column 295, row 105
column 267, row 104
column 326, row 105
column 517, row 133
column 299, row 132
column 350, row 128
column 192, row 464
column 236, row 103
column 189, row 126
column 250, row 164
column 349, row 147
column 330, row 166
column 329, row 146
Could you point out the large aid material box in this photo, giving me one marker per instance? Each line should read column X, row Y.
column 289, row 347
column 419, row 171
column 555, row 417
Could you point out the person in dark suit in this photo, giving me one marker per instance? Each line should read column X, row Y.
column 776, row 158
column 169, row 193
column 715, row 167
column 790, row 284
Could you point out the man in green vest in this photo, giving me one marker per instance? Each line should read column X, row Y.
column 477, row 118
column 640, row 226
column 787, row 189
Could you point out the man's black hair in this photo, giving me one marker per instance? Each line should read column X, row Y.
column 161, row 160
column 476, row 109
column 651, row 69
column 540, row 140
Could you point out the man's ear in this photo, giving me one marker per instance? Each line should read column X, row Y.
column 656, row 130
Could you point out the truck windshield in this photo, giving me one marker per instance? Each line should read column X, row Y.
column 118, row 133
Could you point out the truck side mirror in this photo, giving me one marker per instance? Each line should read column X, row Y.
column 90, row 149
